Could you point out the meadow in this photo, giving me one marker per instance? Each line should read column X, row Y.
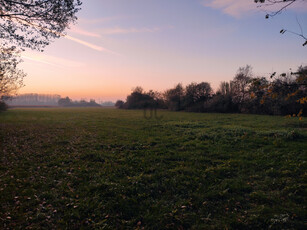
column 93, row 168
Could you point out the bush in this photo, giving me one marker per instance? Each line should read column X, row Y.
column 221, row 104
column 119, row 104
column 3, row 106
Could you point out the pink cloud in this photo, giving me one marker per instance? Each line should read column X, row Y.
column 235, row 8
column 239, row 8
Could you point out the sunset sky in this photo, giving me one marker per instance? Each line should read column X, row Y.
column 119, row 44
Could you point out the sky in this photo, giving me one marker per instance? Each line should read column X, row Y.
column 117, row 45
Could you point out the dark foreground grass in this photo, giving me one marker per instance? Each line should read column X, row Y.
column 113, row 169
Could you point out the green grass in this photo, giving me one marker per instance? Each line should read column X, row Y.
column 113, row 169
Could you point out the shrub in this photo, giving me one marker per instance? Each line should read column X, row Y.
column 3, row 106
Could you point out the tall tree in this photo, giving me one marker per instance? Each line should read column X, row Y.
column 241, row 84
column 226, row 88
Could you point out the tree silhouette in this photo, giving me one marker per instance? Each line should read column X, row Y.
column 196, row 94
column 119, row 104
column 241, row 84
column 281, row 6
column 174, row 97
column 32, row 23
column 29, row 24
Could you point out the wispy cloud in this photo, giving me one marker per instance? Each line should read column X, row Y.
column 90, row 45
column 239, row 8
column 78, row 30
column 82, row 42
column 36, row 59
column 235, row 8
column 119, row 30
column 51, row 60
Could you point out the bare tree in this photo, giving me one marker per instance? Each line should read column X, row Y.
column 241, row 83
column 281, row 6
column 226, row 88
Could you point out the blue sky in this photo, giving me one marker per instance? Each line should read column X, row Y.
column 119, row 44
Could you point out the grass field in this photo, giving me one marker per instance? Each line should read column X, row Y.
column 114, row 169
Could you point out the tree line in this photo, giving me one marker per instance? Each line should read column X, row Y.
column 282, row 94
column 34, row 99
column 67, row 102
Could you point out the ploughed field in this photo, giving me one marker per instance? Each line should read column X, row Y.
column 114, row 169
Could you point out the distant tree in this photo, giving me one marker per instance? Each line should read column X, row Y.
column 241, row 85
column 174, row 98
column 92, row 103
column 32, row 23
column 139, row 99
column 158, row 98
column 196, row 95
column 65, row 102
column 107, row 103
column 34, row 99
column 226, row 88
column 281, row 6
column 119, row 104
column 222, row 101
column 138, row 89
